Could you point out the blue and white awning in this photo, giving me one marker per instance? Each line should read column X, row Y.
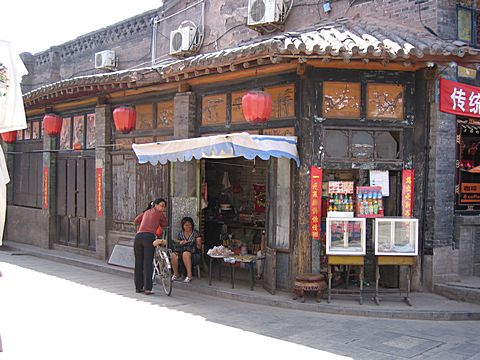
column 219, row 146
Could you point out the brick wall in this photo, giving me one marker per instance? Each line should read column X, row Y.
column 225, row 26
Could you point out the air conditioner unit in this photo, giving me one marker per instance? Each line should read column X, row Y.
column 181, row 40
column 265, row 12
column 105, row 59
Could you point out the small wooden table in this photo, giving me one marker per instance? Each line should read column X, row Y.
column 249, row 260
column 308, row 282
column 348, row 260
column 393, row 260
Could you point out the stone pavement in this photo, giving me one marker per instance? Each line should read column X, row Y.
column 426, row 306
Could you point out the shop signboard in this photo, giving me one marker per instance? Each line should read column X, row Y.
column 45, row 187
column 315, row 201
column 459, row 99
column 99, row 202
column 407, row 192
column 470, row 193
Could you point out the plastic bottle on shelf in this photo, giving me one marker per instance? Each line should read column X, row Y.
column 359, row 203
column 375, row 202
column 380, row 203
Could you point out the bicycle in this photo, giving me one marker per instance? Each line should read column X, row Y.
column 162, row 268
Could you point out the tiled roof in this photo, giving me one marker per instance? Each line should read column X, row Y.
column 344, row 39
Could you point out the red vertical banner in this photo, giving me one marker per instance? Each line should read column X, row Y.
column 315, row 201
column 99, row 189
column 45, row 187
column 407, row 192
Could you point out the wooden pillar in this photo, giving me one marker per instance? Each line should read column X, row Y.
column 306, row 99
column 103, row 177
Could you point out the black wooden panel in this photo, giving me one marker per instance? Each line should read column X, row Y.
column 62, row 229
column 62, row 187
column 90, row 189
column 123, row 192
column 72, row 231
column 38, row 179
column 71, row 186
column 152, row 183
column 92, row 235
column 81, row 188
column 84, row 233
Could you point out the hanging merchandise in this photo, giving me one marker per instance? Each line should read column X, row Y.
column 226, row 180
column 12, row 112
column 259, row 197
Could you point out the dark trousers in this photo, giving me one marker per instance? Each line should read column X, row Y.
column 144, row 251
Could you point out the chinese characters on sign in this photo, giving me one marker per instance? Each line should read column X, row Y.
column 407, row 192
column 45, row 187
column 460, row 99
column 315, row 201
column 98, row 180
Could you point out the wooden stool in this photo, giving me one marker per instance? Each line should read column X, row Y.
column 309, row 282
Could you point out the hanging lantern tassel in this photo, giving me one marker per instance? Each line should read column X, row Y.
column 52, row 124
column 9, row 137
column 257, row 106
column 125, row 118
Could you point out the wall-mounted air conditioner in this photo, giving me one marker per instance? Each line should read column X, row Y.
column 182, row 40
column 105, row 60
column 262, row 12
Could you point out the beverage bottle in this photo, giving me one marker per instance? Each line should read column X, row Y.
column 359, row 203
column 380, row 203
column 340, row 203
column 375, row 202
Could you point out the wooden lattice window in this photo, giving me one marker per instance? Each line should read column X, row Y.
column 341, row 100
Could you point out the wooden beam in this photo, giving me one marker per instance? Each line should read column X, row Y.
column 361, row 65
column 241, row 74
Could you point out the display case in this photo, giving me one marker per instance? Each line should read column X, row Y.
column 396, row 236
column 345, row 236
column 340, row 199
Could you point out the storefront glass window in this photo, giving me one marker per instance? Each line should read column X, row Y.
column 468, row 166
column 336, row 143
column 362, row 144
column 464, row 24
column 90, row 131
column 387, row 144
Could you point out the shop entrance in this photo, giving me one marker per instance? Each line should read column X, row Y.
column 249, row 209
column 237, row 203
column 76, row 201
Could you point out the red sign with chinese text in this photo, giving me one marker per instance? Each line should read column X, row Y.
column 98, row 180
column 45, row 187
column 407, row 192
column 459, row 99
column 315, row 201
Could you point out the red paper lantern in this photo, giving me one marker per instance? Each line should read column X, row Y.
column 125, row 118
column 257, row 106
column 52, row 124
column 9, row 137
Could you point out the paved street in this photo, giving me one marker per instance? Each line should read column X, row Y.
column 57, row 311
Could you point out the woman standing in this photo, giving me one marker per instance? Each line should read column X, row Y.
column 149, row 221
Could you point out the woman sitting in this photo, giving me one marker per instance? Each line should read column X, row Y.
column 188, row 243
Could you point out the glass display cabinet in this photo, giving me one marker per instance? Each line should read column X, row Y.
column 396, row 236
column 346, row 236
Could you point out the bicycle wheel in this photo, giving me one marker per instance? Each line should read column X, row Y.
column 166, row 276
